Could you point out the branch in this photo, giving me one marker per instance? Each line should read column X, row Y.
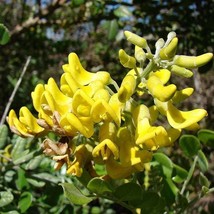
column 14, row 92
column 37, row 19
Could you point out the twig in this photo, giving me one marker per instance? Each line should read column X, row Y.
column 14, row 91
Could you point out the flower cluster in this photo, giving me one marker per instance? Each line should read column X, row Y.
column 99, row 122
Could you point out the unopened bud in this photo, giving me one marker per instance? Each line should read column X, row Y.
column 135, row 39
column 192, row 61
column 126, row 60
column 181, row 71
column 169, row 51
column 140, row 55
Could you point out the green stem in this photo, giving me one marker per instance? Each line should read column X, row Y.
column 189, row 175
column 150, row 67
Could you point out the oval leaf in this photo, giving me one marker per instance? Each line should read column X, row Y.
column 3, row 135
column 206, row 137
column 202, row 161
column 99, row 186
column 165, row 162
column 190, row 145
column 74, row 195
column 5, row 198
column 25, row 201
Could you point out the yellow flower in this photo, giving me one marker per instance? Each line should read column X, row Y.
column 68, row 84
column 116, row 171
column 107, row 137
column 180, row 119
column 127, row 88
column 81, row 157
column 130, row 154
column 151, row 137
column 74, row 125
column 105, row 149
column 107, row 111
column 82, row 76
column 155, row 85
column 26, row 125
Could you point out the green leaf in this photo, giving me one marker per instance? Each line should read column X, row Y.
column 165, row 162
column 202, row 161
column 122, row 11
column 34, row 163
column 112, row 29
column 4, row 35
column 190, row 145
column 24, row 158
column 181, row 174
column 21, row 181
column 9, row 175
column 149, row 202
column 203, row 180
column 25, row 201
column 74, row 195
column 99, row 186
column 6, row 198
column 128, row 192
column 46, row 177
column 18, row 148
column 206, row 137
column 3, row 135
column 35, row 183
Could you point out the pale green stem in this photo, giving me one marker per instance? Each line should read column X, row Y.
column 150, row 67
column 189, row 175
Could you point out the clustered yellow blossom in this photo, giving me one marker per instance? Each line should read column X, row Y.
column 99, row 122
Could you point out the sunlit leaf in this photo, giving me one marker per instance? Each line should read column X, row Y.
column 189, row 144
column 35, row 162
column 74, row 195
column 122, row 11
column 99, row 186
column 24, row 158
column 6, row 198
column 35, row 182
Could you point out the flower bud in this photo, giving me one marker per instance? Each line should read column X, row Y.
column 139, row 54
column 169, row 51
column 135, row 39
column 181, row 71
column 192, row 61
column 126, row 60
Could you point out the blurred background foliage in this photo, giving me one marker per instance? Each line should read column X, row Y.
column 48, row 30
